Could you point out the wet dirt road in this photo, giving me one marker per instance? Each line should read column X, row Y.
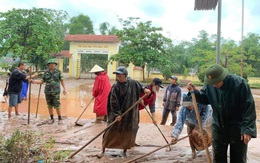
column 69, row 136
column 79, row 94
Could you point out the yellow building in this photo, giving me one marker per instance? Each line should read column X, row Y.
column 88, row 50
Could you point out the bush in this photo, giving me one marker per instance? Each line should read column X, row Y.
column 166, row 73
column 17, row 148
column 28, row 147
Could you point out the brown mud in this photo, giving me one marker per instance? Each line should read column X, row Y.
column 69, row 136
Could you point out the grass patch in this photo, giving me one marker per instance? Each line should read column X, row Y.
column 255, row 85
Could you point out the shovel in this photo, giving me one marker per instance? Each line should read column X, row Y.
column 76, row 123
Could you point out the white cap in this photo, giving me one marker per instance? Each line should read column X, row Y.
column 96, row 68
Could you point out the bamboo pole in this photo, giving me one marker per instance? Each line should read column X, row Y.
column 157, row 149
column 111, row 124
column 157, row 127
column 29, row 101
column 77, row 124
column 38, row 101
column 200, row 126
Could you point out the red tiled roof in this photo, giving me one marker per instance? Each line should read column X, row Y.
column 138, row 68
column 64, row 54
column 92, row 38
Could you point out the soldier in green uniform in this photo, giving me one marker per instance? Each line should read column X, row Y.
column 53, row 78
column 234, row 114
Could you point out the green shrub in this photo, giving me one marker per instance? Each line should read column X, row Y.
column 29, row 147
column 166, row 73
column 17, row 147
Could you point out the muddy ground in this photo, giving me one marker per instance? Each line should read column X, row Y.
column 70, row 136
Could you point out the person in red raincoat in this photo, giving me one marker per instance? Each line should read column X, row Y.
column 100, row 92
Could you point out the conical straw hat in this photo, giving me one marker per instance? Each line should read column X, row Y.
column 96, row 68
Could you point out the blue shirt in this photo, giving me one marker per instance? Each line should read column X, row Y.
column 190, row 116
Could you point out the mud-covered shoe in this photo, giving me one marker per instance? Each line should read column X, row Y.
column 193, row 155
column 105, row 118
column 100, row 155
column 124, row 153
column 60, row 122
column 51, row 121
column 97, row 121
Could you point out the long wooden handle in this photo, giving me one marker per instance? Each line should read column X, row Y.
column 29, row 101
column 38, row 100
column 156, row 125
column 73, row 154
column 200, row 126
column 157, row 149
column 84, row 109
column 111, row 124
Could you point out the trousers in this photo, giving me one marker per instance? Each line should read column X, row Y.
column 238, row 152
column 165, row 115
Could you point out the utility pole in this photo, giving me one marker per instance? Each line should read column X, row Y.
column 219, row 32
column 242, row 42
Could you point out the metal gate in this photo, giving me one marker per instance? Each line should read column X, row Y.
column 88, row 61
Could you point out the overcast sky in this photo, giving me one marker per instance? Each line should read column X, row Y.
column 177, row 17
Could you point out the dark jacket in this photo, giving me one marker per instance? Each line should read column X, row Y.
column 122, row 134
column 233, row 109
column 15, row 81
column 172, row 97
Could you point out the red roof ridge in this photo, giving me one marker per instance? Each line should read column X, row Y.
column 63, row 53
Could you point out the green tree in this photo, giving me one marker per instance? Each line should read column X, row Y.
column 113, row 30
column 202, row 52
column 141, row 44
column 230, row 56
column 5, row 66
column 105, row 29
column 81, row 24
column 166, row 72
column 252, row 53
column 179, row 58
column 31, row 32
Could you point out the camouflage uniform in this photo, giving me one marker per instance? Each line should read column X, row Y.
column 52, row 88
